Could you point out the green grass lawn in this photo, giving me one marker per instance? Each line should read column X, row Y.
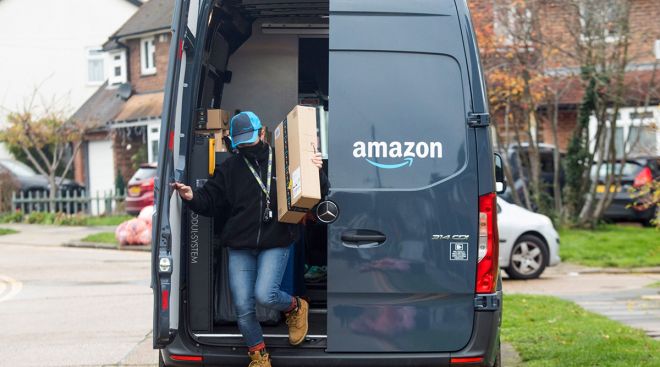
column 611, row 246
column 111, row 220
column 7, row 231
column 548, row 331
column 103, row 237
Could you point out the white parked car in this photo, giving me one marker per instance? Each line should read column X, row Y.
column 528, row 241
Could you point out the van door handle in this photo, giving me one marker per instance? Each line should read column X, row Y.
column 362, row 238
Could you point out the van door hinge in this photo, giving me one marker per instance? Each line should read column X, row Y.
column 478, row 119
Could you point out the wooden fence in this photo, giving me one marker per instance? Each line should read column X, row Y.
column 103, row 202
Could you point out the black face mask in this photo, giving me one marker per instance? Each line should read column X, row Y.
column 254, row 151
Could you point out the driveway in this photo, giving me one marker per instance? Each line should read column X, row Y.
column 624, row 297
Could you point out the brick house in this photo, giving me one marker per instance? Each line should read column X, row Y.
column 123, row 115
column 641, row 78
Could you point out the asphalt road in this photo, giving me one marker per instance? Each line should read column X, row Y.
column 72, row 307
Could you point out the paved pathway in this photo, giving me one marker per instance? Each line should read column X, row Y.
column 624, row 297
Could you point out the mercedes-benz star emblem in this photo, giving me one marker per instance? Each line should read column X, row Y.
column 327, row 211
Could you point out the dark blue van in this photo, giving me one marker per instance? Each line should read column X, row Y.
column 410, row 242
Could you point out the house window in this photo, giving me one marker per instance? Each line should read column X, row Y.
column 513, row 22
column 117, row 73
column 95, row 66
column 657, row 49
column 602, row 20
column 148, row 56
column 635, row 130
column 153, row 136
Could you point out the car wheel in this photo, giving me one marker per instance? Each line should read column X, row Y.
column 529, row 257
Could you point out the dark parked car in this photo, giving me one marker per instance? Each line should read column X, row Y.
column 636, row 173
column 32, row 183
column 29, row 180
column 141, row 189
column 521, row 172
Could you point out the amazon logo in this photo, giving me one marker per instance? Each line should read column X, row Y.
column 397, row 154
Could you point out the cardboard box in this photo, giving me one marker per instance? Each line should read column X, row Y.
column 220, row 145
column 217, row 119
column 298, row 182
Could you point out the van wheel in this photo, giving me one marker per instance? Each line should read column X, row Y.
column 529, row 257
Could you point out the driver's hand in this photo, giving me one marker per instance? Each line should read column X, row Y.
column 184, row 191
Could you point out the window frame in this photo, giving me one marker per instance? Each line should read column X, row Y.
column 148, row 48
column 627, row 120
column 609, row 37
column 510, row 13
column 95, row 54
column 113, row 63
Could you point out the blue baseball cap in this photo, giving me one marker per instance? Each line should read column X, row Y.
column 244, row 129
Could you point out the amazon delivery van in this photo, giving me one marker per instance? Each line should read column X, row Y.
column 408, row 232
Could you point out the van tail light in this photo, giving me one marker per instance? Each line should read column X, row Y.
column 644, row 177
column 487, row 262
column 465, row 360
column 165, row 299
column 177, row 357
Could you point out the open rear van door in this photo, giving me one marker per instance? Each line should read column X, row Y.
column 163, row 263
column 402, row 255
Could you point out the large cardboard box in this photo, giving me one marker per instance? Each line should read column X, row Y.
column 298, row 183
column 217, row 119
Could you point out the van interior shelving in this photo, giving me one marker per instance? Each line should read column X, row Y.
column 280, row 60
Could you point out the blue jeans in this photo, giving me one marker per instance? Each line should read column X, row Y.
column 256, row 275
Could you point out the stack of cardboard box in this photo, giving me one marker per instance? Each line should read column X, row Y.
column 214, row 122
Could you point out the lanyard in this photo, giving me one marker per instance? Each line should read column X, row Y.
column 265, row 189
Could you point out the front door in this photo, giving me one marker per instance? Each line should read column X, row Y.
column 402, row 255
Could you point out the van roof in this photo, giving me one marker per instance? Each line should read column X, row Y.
column 284, row 9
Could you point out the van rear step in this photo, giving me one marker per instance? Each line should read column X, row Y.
column 275, row 335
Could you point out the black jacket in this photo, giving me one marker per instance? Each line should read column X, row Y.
column 234, row 193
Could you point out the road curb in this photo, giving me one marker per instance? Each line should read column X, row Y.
column 105, row 246
column 646, row 270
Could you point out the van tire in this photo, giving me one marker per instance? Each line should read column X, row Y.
column 515, row 269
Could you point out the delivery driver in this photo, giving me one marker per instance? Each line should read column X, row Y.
column 258, row 244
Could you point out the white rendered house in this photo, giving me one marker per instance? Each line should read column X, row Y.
column 55, row 46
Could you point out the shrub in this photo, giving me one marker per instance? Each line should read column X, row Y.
column 14, row 217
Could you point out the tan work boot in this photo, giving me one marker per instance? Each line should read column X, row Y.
column 259, row 359
column 297, row 322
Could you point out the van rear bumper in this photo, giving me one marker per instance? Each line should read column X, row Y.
column 484, row 343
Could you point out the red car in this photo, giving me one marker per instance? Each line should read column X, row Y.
column 141, row 189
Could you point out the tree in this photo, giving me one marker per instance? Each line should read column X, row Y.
column 598, row 32
column 45, row 136
column 518, row 89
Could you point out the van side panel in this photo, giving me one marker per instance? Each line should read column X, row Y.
column 403, row 169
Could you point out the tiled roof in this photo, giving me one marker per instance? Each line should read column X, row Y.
column 141, row 107
column 637, row 84
column 154, row 15
column 100, row 108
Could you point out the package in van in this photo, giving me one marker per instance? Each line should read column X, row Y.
column 220, row 145
column 217, row 119
column 298, row 182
